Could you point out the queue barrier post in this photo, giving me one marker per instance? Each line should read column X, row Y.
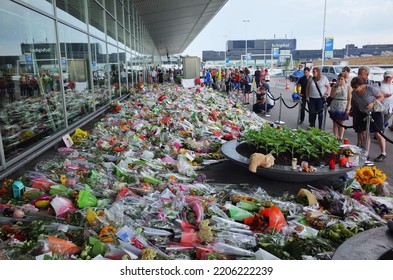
column 266, row 103
column 299, row 112
column 325, row 113
column 279, row 121
column 368, row 123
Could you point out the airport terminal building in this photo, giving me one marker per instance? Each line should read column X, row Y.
column 281, row 51
column 63, row 62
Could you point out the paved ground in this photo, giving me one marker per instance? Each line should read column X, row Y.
column 229, row 172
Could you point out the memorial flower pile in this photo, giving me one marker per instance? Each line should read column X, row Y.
column 133, row 188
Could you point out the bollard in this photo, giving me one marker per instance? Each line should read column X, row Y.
column 299, row 112
column 279, row 121
column 325, row 108
column 368, row 122
column 266, row 113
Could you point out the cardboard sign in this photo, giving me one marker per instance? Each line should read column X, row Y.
column 68, row 140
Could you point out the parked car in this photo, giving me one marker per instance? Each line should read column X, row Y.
column 331, row 72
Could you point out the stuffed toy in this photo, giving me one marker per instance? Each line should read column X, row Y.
column 257, row 159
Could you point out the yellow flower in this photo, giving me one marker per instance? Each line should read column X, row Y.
column 368, row 175
column 63, row 179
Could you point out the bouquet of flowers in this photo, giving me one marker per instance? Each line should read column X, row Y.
column 369, row 177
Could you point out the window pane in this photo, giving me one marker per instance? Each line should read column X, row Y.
column 31, row 105
column 76, row 69
column 44, row 5
column 110, row 6
column 120, row 36
column 72, row 11
column 111, row 29
column 114, row 71
column 96, row 20
column 100, row 72
column 119, row 12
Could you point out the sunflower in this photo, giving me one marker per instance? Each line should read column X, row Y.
column 369, row 175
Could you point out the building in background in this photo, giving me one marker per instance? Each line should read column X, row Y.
column 280, row 52
column 262, row 52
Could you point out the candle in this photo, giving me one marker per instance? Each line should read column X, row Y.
column 294, row 163
column 342, row 161
column 332, row 164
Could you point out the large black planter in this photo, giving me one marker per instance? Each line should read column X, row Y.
column 373, row 244
column 282, row 172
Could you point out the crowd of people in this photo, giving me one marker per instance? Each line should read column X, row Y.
column 158, row 75
column 240, row 81
column 348, row 97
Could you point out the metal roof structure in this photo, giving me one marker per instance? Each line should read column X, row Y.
column 174, row 24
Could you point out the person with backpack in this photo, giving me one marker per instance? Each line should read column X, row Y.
column 318, row 89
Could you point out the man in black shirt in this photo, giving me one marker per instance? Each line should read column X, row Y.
column 301, row 90
column 257, row 77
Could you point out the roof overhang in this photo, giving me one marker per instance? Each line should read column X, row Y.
column 174, row 24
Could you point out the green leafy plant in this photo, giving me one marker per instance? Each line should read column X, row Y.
column 312, row 144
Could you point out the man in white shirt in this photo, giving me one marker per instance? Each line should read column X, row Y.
column 264, row 101
column 386, row 89
column 154, row 76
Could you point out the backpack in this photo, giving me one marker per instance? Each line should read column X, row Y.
column 295, row 96
column 245, row 80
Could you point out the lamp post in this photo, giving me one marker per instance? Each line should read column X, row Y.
column 245, row 21
column 225, row 51
column 323, row 35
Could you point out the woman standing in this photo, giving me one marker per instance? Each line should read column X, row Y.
column 247, row 81
column 347, row 74
column 316, row 92
column 365, row 97
column 340, row 105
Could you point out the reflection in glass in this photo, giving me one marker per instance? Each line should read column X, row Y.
column 44, row 5
column 110, row 7
column 72, row 11
column 120, row 37
column 111, row 29
column 100, row 72
column 37, row 83
column 96, row 20
column 114, row 73
column 119, row 12
column 76, row 73
column 31, row 105
column 129, row 70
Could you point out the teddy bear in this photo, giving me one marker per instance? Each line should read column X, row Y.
column 258, row 159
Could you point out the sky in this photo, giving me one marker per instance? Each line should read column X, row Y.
column 358, row 22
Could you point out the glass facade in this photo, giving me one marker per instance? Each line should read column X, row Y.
column 60, row 62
